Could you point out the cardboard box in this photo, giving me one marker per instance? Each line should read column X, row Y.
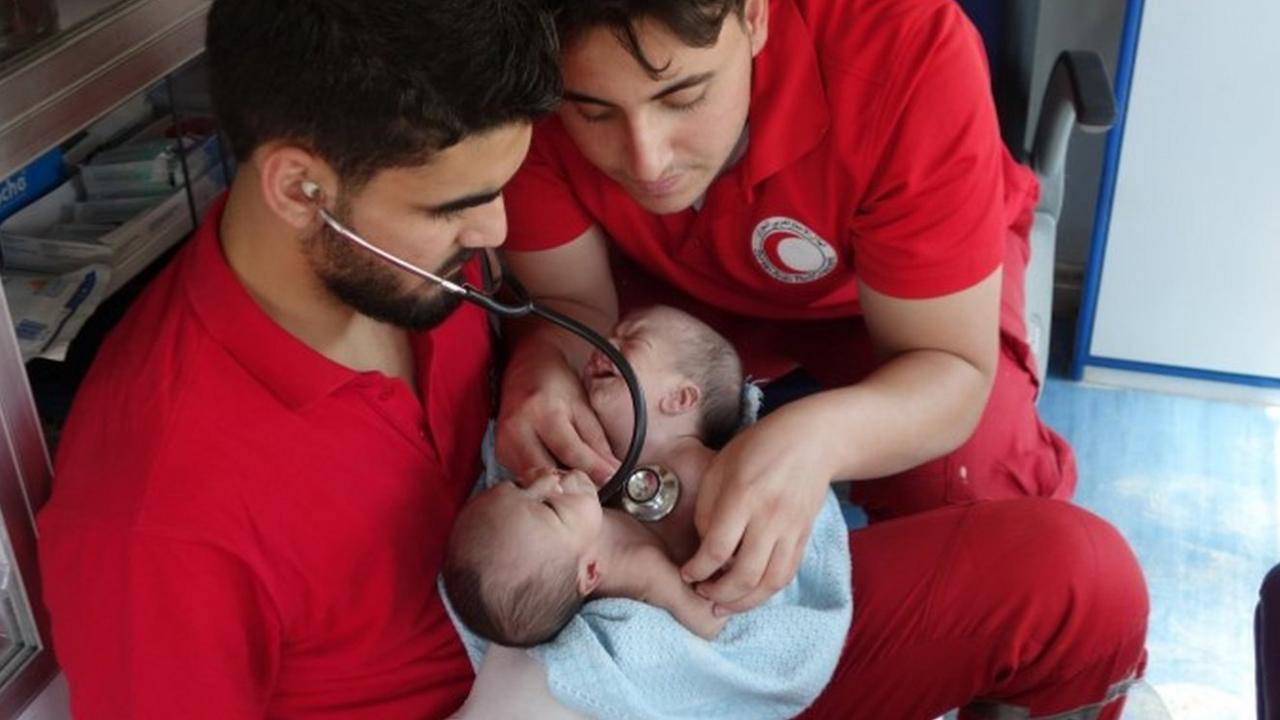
column 28, row 184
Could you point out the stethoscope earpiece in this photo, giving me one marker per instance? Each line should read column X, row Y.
column 311, row 190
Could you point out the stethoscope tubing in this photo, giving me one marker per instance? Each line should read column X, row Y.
column 488, row 303
column 615, row 483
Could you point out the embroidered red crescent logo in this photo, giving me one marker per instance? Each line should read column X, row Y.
column 790, row 252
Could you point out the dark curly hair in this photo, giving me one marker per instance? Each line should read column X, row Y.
column 374, row 85
column 696, row 22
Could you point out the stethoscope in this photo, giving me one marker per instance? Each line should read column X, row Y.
column 650, row 492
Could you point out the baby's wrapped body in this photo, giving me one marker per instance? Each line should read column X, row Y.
column 522, row 558
column 621, row 658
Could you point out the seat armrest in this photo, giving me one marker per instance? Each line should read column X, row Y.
column 1078, row 93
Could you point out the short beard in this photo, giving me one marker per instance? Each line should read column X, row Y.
column 374, row 287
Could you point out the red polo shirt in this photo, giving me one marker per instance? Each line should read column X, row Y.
column 241, row 528
column 874, row 153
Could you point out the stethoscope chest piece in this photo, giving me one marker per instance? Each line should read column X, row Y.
column 650, row 493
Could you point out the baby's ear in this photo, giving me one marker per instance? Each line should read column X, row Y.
column 682, row 398
column 588, row 577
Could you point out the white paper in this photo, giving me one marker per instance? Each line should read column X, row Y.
column 49, row 310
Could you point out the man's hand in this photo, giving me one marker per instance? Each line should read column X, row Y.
column 756, row 507
column 545, row 421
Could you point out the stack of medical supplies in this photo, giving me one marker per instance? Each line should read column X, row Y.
column 124, row 206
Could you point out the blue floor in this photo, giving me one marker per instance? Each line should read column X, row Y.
column 1195, row 487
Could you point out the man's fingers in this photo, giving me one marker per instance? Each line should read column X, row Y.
column 783, row 564
column 717, row 548
column 524, row 453
column 505, row 446
column 749, row 565
column 705, row 507
column 563, row 441
column 574, row 439
column 591, row 432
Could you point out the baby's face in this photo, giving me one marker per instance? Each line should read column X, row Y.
column 646, row 340
column 557, row 515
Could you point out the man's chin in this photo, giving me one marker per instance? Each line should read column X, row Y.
column 408, row 313
column 667, row 203
column 664, row 204
column 429, row 314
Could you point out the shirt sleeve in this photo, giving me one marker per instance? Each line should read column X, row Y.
column 542, row 210
column 932, row 221
column 152, row 627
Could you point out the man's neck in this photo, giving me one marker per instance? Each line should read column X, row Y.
column 267, row 258
column 738, row 152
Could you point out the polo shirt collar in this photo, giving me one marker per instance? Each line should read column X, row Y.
column 789, row 113
column 291, row 369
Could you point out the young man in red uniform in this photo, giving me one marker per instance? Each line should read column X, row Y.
column 824, row 181
column 254, row 489
column 256, row 484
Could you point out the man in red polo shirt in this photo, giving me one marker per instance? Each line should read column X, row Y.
column 824, row 181
column 256, row 483
column 254, row 488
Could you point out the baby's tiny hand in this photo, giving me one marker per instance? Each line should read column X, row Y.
column 661, row 585
column 700, row 619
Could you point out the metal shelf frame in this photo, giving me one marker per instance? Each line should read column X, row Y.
column 90, row 69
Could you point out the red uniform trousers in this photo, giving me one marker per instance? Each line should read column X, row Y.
column 1011, row 609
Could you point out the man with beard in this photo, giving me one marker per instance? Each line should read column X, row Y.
column 254, row 488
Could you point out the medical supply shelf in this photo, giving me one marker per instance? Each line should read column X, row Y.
column 75, row 77
column 108, row 52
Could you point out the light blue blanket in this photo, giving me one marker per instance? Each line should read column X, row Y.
column 623, row 659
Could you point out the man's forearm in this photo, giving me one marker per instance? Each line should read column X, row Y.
column 915, row 408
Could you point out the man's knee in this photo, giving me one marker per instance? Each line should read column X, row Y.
column 1073, row 585
column 1094, row 562
column 1063, row 547
column 1075, row 605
